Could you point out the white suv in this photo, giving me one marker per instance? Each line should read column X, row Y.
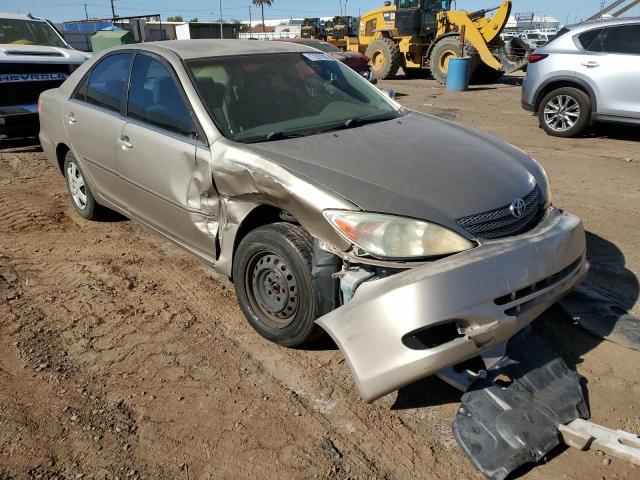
column 588, row 72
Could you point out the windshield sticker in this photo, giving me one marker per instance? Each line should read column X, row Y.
column 318, row 57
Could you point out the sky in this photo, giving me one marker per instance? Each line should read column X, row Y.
column 59, row 10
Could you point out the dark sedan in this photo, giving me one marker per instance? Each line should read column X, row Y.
column 355, row 60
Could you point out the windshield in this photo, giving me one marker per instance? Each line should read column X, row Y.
column 272, row 96
column 28, row 32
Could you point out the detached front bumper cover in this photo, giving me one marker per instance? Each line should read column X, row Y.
column 485, row 295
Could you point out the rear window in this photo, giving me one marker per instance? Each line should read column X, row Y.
column 586, row 39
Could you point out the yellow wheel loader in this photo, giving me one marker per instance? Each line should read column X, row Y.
column 422, row 35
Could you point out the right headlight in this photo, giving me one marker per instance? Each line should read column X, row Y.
column 393, row 237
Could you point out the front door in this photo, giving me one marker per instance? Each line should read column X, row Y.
column 166, row 172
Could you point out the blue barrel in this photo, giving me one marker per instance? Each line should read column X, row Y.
column 458, row 74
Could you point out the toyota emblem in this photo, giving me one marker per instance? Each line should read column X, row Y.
column 518, row 207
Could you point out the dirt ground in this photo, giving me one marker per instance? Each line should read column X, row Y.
column 123, row 357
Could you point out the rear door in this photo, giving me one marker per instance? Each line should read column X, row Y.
column 165, row 168
column 93, row 122
column 613, row 65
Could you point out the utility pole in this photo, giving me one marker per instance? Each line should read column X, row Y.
column 249, row 20
column 221, row 34
column 113, row 10
column 86, row 15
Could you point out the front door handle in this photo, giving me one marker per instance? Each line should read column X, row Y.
column 124, row 143
column 71, row 118
column 591, row 64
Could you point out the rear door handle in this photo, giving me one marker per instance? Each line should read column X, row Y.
column 70, row 118
column 124, row 143
column 590, row 64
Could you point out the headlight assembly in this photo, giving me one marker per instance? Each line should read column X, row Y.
column 393, row 237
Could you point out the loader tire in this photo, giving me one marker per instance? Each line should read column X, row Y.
column 385, row 58
column 445, row 49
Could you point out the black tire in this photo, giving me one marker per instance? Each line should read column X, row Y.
column 483, row 73
column 573, row 97
column 89, row 209
column 390, row 61
column 272, row 278
column 444, row 49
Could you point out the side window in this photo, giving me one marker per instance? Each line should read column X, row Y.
column 155, row 98
column 369, row 27
column 624, row 39
column 107, row 82
column 81, row 91
column 586, row 39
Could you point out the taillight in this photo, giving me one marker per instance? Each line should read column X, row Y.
column 536, row 57
column 39, row 104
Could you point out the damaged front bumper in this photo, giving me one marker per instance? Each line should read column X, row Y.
column 407, row 326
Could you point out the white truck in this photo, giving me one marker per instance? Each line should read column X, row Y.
column 33, row 58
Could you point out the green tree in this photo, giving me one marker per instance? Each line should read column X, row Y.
column 261, row 4
column 194, row 20
column 177, row 18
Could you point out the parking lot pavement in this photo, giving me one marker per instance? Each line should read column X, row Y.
column 122, row 355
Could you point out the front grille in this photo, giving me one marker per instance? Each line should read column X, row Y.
column 500, row 223
column 27, row 92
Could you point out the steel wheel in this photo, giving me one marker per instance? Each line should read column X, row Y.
column 77, row 186
column 561, row 113
column 273, row 289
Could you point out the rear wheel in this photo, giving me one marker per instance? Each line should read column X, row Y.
column 272, row 278
column 565, row 112
column 385, row 58
column 81, row 196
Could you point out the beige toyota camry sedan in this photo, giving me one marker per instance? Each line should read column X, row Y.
column 414, row 242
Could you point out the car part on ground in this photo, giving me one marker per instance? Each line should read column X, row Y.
column 422, row 35
column 603, row 317
column 33, row 58
column 510, row 416
column 586, row 73
column 235, row 150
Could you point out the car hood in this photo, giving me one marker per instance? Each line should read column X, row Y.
column 40, row 54
column 417, row 166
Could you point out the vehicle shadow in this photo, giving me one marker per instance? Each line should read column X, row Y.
column 614, row 131
column 20, row 145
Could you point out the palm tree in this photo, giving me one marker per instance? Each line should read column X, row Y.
column 261, row 4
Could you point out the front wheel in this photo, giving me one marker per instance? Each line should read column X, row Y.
column 272, row 278
column 565, row 112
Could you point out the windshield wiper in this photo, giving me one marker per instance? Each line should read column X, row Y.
column 359, row 121
column 278, row 135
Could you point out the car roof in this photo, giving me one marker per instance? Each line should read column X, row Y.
column 192, row 49
column 605, row 22
column 18, row 16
